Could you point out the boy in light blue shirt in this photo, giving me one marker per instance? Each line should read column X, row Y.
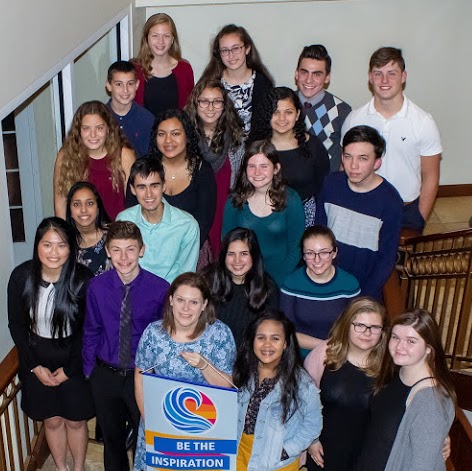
column 171, row 236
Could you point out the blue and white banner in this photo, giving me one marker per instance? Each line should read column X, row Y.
column 189, row 425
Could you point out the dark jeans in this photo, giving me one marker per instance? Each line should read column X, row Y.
column 412, row 218
column 115, row 406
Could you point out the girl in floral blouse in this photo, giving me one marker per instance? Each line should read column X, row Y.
column 86, row 214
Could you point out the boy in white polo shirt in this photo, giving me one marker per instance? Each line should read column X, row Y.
column 413, row 154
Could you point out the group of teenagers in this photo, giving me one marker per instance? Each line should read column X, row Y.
column 204, row 233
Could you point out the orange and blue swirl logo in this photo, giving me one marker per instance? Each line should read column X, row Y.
column 189, row 410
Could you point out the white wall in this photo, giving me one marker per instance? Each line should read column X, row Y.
column 90, row 70
column 36, row 35
column 435, row 36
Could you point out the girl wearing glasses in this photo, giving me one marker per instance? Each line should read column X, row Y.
column 303, row 157
column 165, row 79
column 412, row 408
column 220, row 140
column 262, row 202
column 344, row 367
column 236, row 62
column 316, row 294
column 190, row 181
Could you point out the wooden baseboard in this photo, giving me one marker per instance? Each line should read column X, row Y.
column 446, row 191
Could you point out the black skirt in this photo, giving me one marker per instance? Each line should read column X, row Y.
column 71, row 400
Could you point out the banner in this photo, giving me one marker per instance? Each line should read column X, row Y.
column 189, row 425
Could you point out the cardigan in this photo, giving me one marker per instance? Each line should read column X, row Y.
column 262, row 86
column 183, row 74
column 420, row 437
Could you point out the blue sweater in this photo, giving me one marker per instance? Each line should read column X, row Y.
column 278, row 234
column 367, row 228
column 314, row 307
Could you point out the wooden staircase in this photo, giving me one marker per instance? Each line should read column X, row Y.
column 435, row 273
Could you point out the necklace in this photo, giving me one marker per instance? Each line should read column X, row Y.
column 175, row 175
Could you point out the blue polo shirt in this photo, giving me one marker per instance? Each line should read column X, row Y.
column 137, row 126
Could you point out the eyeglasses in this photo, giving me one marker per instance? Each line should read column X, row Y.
column 235, row 50
column 361, row 328
column 321, row 255
column 204, row 103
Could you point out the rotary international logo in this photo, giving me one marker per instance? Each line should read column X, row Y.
column 189, row 410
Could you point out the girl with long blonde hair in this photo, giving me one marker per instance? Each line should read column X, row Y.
column 165, row 78
column 344, row 367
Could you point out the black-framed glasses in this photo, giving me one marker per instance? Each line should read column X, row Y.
column 204, row 103
column 235, row 50
column 309, row 255
column 361, row 328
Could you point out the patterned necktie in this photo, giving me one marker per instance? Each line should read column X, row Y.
column 307, row 105
column 124, row 345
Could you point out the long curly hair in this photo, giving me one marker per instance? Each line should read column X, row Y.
column 338, row 341
column 262, row 129
column 244, row 189
column 75, row 154
column 145, row 56
column 192, row 156
column 289, row 368
column 256, row 284
column 229, row 128
column 215, row 67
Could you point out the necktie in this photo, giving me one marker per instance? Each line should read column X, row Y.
column 307, row 105
column 124, row 342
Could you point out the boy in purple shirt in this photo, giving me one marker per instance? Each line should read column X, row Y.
column 120, row 305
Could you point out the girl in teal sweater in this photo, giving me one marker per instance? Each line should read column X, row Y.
column 262, row 202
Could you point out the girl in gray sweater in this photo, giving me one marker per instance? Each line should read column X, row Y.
column 413, row 405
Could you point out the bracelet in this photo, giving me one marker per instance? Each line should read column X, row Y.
column 206, row 364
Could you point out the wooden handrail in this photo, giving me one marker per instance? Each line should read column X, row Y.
column 8, row 368
column 22, row 441
column 461, row 439
column 422, row 238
